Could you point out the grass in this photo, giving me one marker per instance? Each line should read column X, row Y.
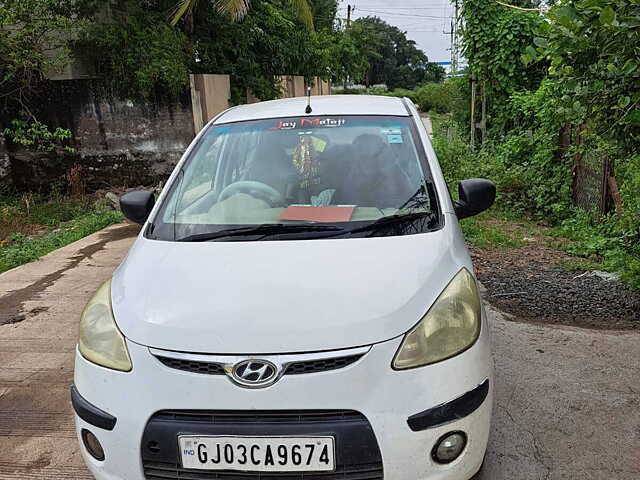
column 489, row 231
column 32, row 226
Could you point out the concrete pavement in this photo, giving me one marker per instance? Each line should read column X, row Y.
column 426, row 121
column 567, row 404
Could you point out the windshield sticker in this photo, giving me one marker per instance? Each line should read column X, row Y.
column 395, row 139
column 309, row 123
column 288, row 125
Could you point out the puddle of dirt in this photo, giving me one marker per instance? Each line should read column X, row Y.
column 12, row 302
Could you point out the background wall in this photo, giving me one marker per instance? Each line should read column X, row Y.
column 116, row 141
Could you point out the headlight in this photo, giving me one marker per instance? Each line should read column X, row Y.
column 449, row 327
column 100, row 340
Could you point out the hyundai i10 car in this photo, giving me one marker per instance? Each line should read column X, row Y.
column 299, row 304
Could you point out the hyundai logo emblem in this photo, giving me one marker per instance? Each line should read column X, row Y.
column 254, row 373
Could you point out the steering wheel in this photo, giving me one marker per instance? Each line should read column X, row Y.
column 258, row 190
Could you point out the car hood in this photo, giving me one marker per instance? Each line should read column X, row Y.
column 280, row 296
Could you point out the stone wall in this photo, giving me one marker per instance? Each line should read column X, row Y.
column 117, row 141
column 5, row 170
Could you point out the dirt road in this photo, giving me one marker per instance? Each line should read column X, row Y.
column 567, row 407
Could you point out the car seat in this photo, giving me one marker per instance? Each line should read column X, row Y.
column 375, row 178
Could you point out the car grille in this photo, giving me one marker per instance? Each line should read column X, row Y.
column 164, row 471
column 193, row 366
column 357, row 453
column 313, row 366
column 296, row 368
column 288, row 417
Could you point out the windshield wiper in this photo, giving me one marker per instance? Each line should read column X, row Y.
column 393, row 220
column 262, row 230
column 389, row 221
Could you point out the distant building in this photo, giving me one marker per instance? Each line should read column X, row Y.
column 446, row 66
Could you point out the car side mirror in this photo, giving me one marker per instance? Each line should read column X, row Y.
column 137, row 205
column 475, row 196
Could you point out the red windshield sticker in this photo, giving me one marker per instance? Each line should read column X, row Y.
column 309, row 123
column 282, row 125
column 318, row 214
column 322, row 122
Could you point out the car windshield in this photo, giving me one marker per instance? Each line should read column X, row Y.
column 323, row 177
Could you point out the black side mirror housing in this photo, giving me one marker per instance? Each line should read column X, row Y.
column 137, row 205
column 475, row 196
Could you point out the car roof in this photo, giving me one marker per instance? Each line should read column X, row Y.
column 321, row 105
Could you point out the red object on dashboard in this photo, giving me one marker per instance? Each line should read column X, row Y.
column 318, row 214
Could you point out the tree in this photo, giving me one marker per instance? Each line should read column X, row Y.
column 136, row 52
column 394, row 60
column 237, row 9
column 324, row 13
column 268, row 43
column 350, row 59
column 34, row 38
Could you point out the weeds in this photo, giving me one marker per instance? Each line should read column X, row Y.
column 32, row 226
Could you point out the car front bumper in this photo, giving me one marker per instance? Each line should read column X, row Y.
column 407, row 411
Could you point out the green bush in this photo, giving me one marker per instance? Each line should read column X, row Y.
column 434, row 96
column 24, row 249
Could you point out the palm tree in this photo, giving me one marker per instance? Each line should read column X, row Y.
column 238, row 9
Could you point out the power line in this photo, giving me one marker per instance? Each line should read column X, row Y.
column 405, row 8
column 400, row 14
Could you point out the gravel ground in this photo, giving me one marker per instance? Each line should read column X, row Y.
column 530, row 284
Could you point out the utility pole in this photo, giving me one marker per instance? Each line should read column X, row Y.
column 454, row 41
column 473, row 111
column 349, row 10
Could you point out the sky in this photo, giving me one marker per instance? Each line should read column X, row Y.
column 425, row 21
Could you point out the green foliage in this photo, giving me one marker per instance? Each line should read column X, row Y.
column 238, row 9
column 23, row 249
column 33, row 41
column 593, row 47
column 324, row 13
column 394, row 60
column 347, row 58
column 267, row 43
column 34, row 225
column 32, row 209
column 437, row 97
column 494, row 40
column 37, row 136
column 137, row 52
column 587, row 52
column 482, row 233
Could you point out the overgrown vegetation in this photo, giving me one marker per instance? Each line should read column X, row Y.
column 393, row 60
column 429, row 97
column 572, row 69
column 144, row 50
column 34, row 42
column 32, row 226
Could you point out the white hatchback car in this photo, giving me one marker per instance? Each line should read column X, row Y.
column 299, row 304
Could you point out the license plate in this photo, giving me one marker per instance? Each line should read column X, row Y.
column 258, row 454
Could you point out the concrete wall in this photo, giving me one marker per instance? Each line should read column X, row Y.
column 117, row 141
column 210, row 95
column 320, row 87
column 5, row 168
column 292, row 86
